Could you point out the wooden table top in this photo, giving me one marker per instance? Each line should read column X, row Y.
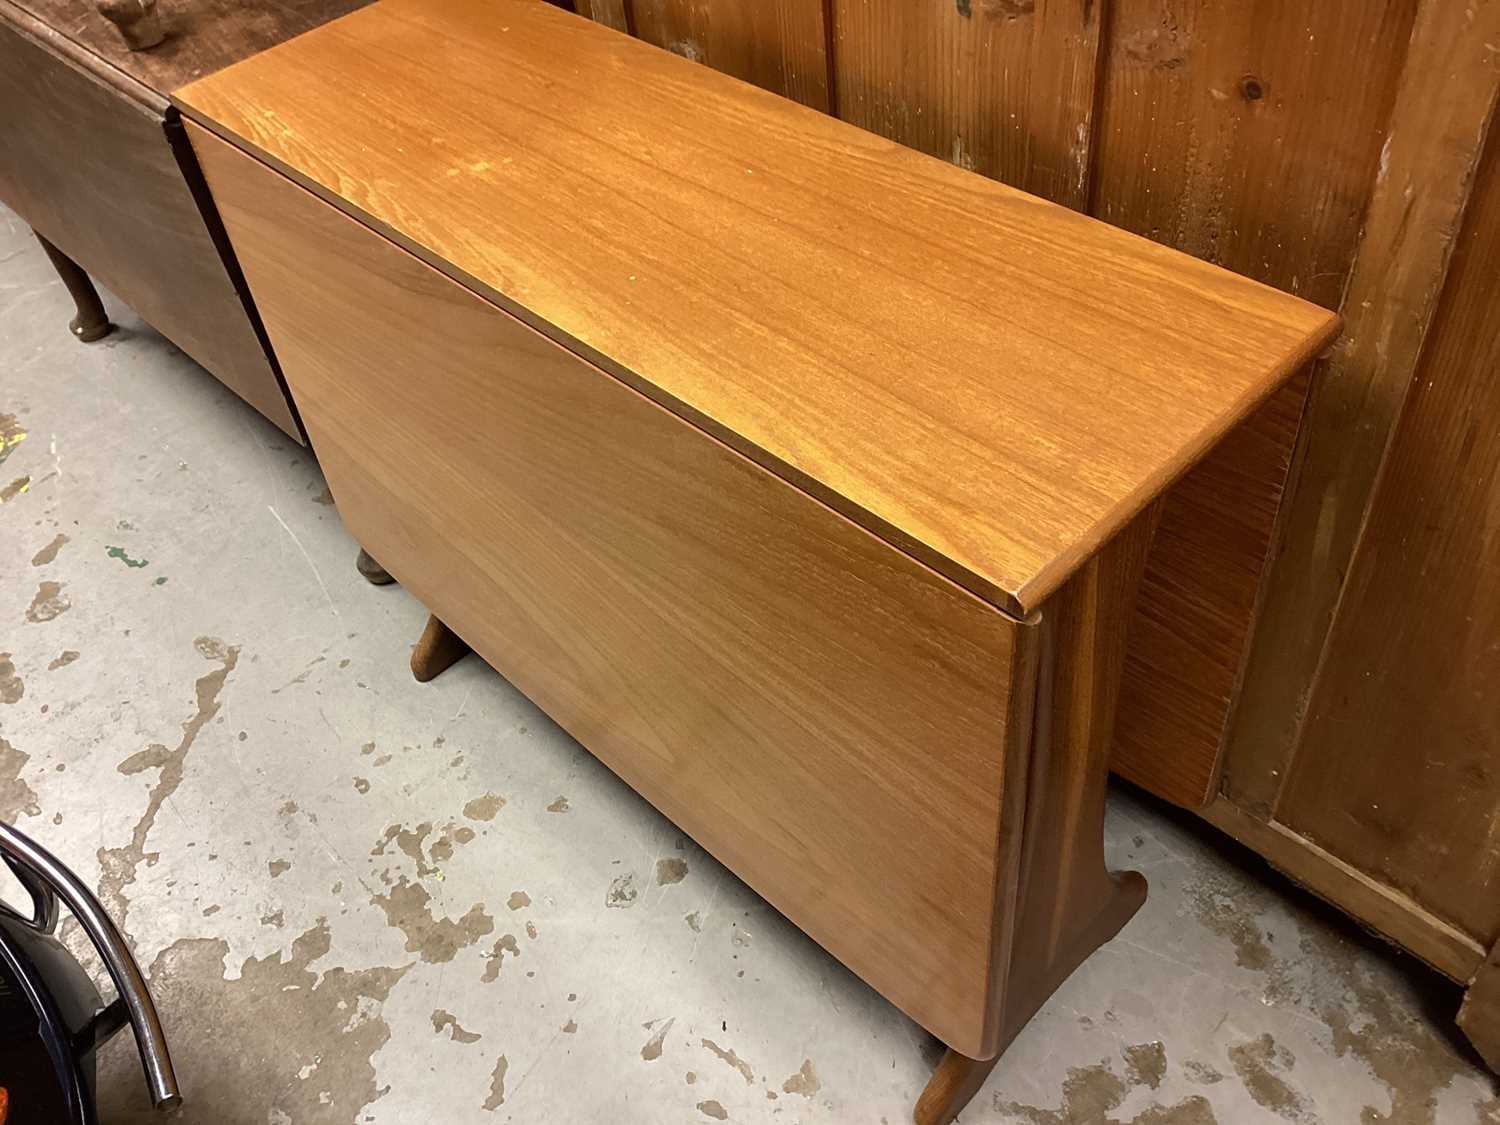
column 202, row 35
column 990, row 382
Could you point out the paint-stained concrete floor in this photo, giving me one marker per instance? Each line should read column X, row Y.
column 361, row 899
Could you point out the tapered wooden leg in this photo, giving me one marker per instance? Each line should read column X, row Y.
column 91, row 323
column 955, row 1081
column 375, row 574
column 439, row 649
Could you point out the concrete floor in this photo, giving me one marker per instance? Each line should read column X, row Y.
column 365, row 899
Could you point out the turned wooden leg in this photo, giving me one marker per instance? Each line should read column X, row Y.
column 137, row 21
column 439, row 649
column 91, row 323
column 375, row 574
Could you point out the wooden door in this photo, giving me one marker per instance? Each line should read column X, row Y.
column 1392, row 783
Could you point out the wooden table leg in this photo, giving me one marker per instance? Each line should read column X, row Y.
column 138, row 23
column 955, row 1081
column 439, row 649
column 1067, row 902
column 91, row 322
column 374, row 573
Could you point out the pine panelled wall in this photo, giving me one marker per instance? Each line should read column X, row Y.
column 1331, row 694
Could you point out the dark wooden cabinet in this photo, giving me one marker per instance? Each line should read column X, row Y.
column 92, row 158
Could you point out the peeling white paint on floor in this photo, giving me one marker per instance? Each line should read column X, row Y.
column 363, row 899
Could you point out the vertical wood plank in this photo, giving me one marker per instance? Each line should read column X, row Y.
column 1249, row 135
column 1447, row 97
column 611, row 13
column 1399, row 771
column 780, row 45
column 1001, row 87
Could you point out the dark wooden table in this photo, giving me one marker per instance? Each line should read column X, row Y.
column 92, row 156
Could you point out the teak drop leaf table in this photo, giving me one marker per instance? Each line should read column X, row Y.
column 804, row 479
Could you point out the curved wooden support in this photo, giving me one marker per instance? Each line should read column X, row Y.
column 91, row 323
column 1067, row 902
column 137, row 21
column 439, row 649
column 374, row 573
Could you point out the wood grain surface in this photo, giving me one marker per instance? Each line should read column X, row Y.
column 842, row 727
column 780, row 45
column 1249, row 135
column 1328, row 149
column 1445, row 101
column 1005, row 90
column 1400, row 770
column 611, row 13
column 1197, row 606
column 989, row 382
column 92, row 171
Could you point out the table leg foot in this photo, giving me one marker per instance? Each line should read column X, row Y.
column 438, row 650
column 91, row 322
column 137, row 21
column 374, row 573
column 956, row 1080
